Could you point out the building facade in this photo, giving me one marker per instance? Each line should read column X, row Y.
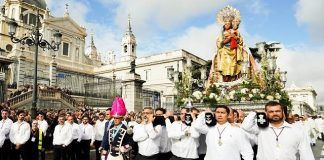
column 79, row 68
column 303, row 99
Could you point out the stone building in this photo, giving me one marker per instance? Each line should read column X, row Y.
column 303, row 99
column 80, row 69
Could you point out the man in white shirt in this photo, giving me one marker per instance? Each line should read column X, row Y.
column 74, row 147
column 62, row 137
column 280, row 140
column 42, row 123
column 184, row 138
column 99, row 132
column 5, row 125
column 87, row 138
column 224, row 141
column 165, row 141
column 19, row 135
column 147, row 136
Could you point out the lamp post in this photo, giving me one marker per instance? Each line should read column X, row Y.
column 273, row 74
column 35, row 39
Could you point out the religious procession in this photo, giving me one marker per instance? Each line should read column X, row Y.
column 212, row 132
column 157, row 134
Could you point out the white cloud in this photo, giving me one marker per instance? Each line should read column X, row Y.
column 199, row 41
column 304, row 67
column 310, row 12
column 150, row 15
column 105, row 37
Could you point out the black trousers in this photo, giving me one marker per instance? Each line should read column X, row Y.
column 179, row 158
column 97, row 145
column 21, row 152
column 165, row 156
column 60, row 152
column 202, row 156
column 85, row 149
column 74, row 150
column 141, row 157
column 5, row 151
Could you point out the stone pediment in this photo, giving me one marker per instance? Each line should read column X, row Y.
column 66, row 23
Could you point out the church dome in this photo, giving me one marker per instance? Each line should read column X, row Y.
column 38, row 3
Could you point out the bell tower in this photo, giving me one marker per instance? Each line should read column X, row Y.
column 128, row 44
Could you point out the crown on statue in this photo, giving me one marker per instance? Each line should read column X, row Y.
column 228, row 14
column 118, row 107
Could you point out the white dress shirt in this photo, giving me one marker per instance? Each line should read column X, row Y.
column 87, row 132
column 19, row 132
column 62, row 134
column 43, row 125
column 165, row 142
column 5, row 126
column 148, row 138
column 183, row 146
column 290, row 142
column 224, row 141
column 99, row 129
column 76, row 132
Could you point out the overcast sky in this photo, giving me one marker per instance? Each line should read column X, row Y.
column 165, row 25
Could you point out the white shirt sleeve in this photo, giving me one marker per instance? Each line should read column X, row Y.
column 304, row 148
column 245, row 146
column 200, row 125
column 68, row 139
column 153, row 132
column 93, row 135
column 249, row 124
column 12, row 134
column 139, row 134
column 26, row 135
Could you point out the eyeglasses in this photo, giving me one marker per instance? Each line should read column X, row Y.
column 147, row 112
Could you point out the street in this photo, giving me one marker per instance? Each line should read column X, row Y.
column 318, row 150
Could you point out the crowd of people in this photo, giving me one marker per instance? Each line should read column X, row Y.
column 157, row 134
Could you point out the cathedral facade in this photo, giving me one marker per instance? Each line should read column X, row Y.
column 81, row 70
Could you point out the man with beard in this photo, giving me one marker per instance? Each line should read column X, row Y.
column 280, row 140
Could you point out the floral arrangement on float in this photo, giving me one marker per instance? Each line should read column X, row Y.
column 247, row 91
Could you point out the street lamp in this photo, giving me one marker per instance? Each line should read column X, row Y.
column 35, row 39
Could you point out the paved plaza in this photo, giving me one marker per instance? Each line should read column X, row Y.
column 318, row 151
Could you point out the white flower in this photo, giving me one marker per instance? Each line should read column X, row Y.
column 270, row 98
column 231, row 97
column 218, row 99
column 197, row 94
column 243, row 99
column 262, row 95
column 278, row 96
column 212, row 95
column 255, row 90
column 231, row 93
column 244, row 90
column 216, row 96
column 250, row 95
column 227, row 97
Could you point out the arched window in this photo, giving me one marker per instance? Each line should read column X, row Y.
column 133, row 48
column 125, row 48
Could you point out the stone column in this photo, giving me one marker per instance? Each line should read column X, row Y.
column 21, row 70
column 52, row 72
column 132, row 92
